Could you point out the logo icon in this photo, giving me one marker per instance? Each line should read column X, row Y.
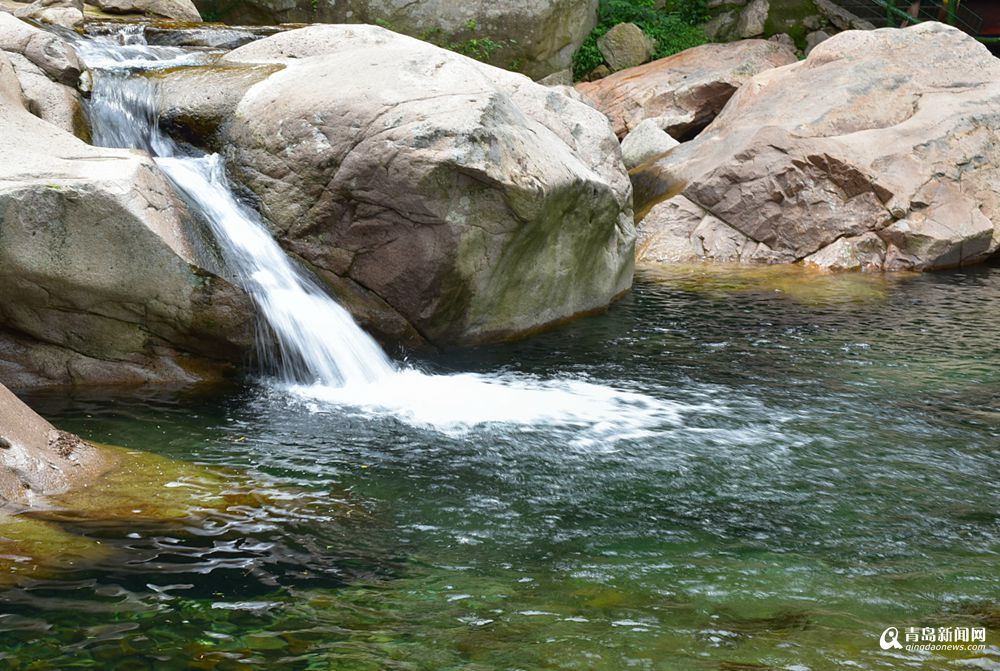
column 890, row 639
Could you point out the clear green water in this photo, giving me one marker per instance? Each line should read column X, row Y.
column 834, row 471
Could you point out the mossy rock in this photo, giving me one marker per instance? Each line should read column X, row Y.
column 140, row 489
column 786, row 16
column 33, row 548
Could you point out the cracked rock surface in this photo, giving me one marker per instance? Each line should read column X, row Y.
column 879, row 151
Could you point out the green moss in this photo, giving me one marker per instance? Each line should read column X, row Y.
column 139, row 487
column 786, row 16
column 672, row 28
column 34, row 548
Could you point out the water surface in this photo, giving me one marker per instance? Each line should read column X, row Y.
column 822, row 463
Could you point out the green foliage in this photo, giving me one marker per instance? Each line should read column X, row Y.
column 480, row 48
column 674, row 30
column 691, row 12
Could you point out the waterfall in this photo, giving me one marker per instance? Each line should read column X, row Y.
column 323, row 355
column 318, row 341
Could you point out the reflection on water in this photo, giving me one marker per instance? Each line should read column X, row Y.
column 832, row 470
column 802, row 284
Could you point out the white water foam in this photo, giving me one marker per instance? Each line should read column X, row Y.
column 325, row 358
column 454, row 404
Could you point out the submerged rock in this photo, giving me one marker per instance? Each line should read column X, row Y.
column 101, row 276
column 880, row 150
column 215, row 37
column 36, row 459
column 445, row 201
column 686, row 90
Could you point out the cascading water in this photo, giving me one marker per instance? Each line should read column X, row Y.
column 323, row 355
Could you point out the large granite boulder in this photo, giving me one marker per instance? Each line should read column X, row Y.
column 38, row 460
column 536, row 37
column 178, row 10
column 880, row 150
column 684, row 91
column 59, row 104
column 102, row 278
column 444, row 200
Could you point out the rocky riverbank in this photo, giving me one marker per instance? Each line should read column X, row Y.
column 877, row 152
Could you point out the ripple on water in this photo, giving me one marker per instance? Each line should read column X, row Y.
column 831, row 471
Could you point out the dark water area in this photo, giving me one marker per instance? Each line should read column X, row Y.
column 828, row 468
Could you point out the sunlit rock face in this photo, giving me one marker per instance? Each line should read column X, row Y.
column 444, row 200
column 879, row 151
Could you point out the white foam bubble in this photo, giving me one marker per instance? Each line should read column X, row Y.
column 460, row 402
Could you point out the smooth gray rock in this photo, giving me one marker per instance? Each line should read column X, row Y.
column 785, row 40
column 840, row 17
column 721, row 26
column 752, row 19
column 194, row 102
column 561, row 78
column 815, row 38
column 646, row 141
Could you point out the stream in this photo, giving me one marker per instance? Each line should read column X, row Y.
column 732, row 469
